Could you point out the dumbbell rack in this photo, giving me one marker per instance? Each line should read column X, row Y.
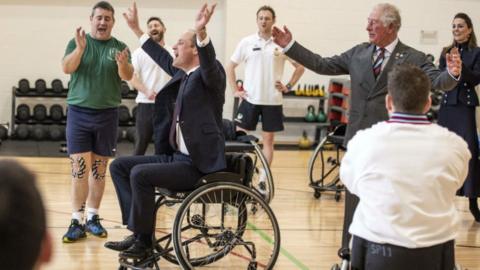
column 54, row 97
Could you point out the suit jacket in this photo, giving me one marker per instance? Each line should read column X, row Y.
column 202, row 107
column 464, row 93
column 367, row 104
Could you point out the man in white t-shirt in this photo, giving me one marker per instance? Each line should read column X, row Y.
column 262, row 89
column 406, row 172
column 148, row 79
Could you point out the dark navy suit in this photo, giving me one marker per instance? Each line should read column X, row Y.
column 200, row 121
column 457, row 113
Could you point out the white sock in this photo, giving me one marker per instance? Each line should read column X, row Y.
column 78, row 216
column 91, row 212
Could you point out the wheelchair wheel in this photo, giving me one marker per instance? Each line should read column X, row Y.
column 324, row 165
column 215, row 221
column 262, row 179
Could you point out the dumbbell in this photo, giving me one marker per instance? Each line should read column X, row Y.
column 124, row 88
column 134, row 113
column 39, row 112
column 38, row 132
column 23, row 86
column 21, row 132
column 3, row 132
column 56, row 112
column 56, row 132
column 23, row 112
column 123, row 114
column 131, row 134
column 40, row 86
column 57, row 86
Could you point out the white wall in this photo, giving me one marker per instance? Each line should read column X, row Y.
column 35, row 33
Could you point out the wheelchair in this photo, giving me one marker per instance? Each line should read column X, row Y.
column 214, row 224
column 324, row 164
column 240, row 142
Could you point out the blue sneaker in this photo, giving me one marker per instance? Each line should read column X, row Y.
column 94, row 227
column 75, row 232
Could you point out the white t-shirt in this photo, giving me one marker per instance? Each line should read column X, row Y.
column 406, row 174
column 149, row 72
column 264, row 63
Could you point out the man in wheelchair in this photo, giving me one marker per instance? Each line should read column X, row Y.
column 195, row 134
column 405, row 171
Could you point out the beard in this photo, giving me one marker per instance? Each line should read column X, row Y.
column 156, row 35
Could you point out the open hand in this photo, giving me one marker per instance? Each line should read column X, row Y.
column 282, row 38
column 454, row 62
column 122, row 57
column 80, row 39
column 203, row 16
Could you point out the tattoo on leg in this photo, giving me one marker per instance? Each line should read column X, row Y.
column 79, row 167
column 82, row 208
column 99, row 167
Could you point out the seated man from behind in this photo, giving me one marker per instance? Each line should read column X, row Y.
column 26, row 244
column 405, row 171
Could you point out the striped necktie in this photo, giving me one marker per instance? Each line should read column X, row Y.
column 377, row 64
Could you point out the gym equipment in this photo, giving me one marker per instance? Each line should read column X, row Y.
column 21, row 132
column 57, row 86
column 324, row 164
column 304, row 142
column 23, row 112
column 56, row 112
column 39, row 112
column 321, row 116
column 38, row 132
column 40, row 86
column 3, row 132
column 134, row 114
column 310, row 116
column 131, row 134
column 215, row 224
column 123, row 114
column 56, row 132
column 124, row 89
column 23, row 86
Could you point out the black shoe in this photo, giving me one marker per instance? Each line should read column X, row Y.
column 138, row 250
column 121, row 245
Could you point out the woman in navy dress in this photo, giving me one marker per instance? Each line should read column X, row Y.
column 457, row 111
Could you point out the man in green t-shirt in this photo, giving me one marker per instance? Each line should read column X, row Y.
column 97, row 63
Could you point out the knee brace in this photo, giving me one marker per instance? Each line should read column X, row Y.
column 79, row 167
column 99, row 168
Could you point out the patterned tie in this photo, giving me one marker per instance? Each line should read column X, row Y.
column 176, row 113
column 377, row 64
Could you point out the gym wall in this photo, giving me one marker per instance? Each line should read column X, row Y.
column 35, row 33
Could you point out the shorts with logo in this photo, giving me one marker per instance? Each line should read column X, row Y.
column 92, row 130
column 249, row 114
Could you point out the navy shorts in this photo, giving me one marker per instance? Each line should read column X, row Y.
column 249, row 114
column 92, row 130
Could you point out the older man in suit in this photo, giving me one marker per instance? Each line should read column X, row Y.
column 369, row 85
column 195, row 133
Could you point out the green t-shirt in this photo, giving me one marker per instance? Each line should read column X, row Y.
column 96, row 83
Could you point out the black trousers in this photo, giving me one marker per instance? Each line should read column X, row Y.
column 144, row 127
column 135, row 179
column 372, row 256
column 351, row 202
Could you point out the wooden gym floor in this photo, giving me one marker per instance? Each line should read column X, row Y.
column 310, row 228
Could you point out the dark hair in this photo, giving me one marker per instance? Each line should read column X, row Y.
column 22, row 217
column 103, row 5
column 409, row 88
column 267, row 8
column 472, row 40
column 155, row 19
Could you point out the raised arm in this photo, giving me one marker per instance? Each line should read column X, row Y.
column 72, row 60
column 212, row 72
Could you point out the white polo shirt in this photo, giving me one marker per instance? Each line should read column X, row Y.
column 264, row 63
column 406, row 172
column 149, row 72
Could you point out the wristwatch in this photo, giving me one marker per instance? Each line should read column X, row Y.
column 289, row 87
